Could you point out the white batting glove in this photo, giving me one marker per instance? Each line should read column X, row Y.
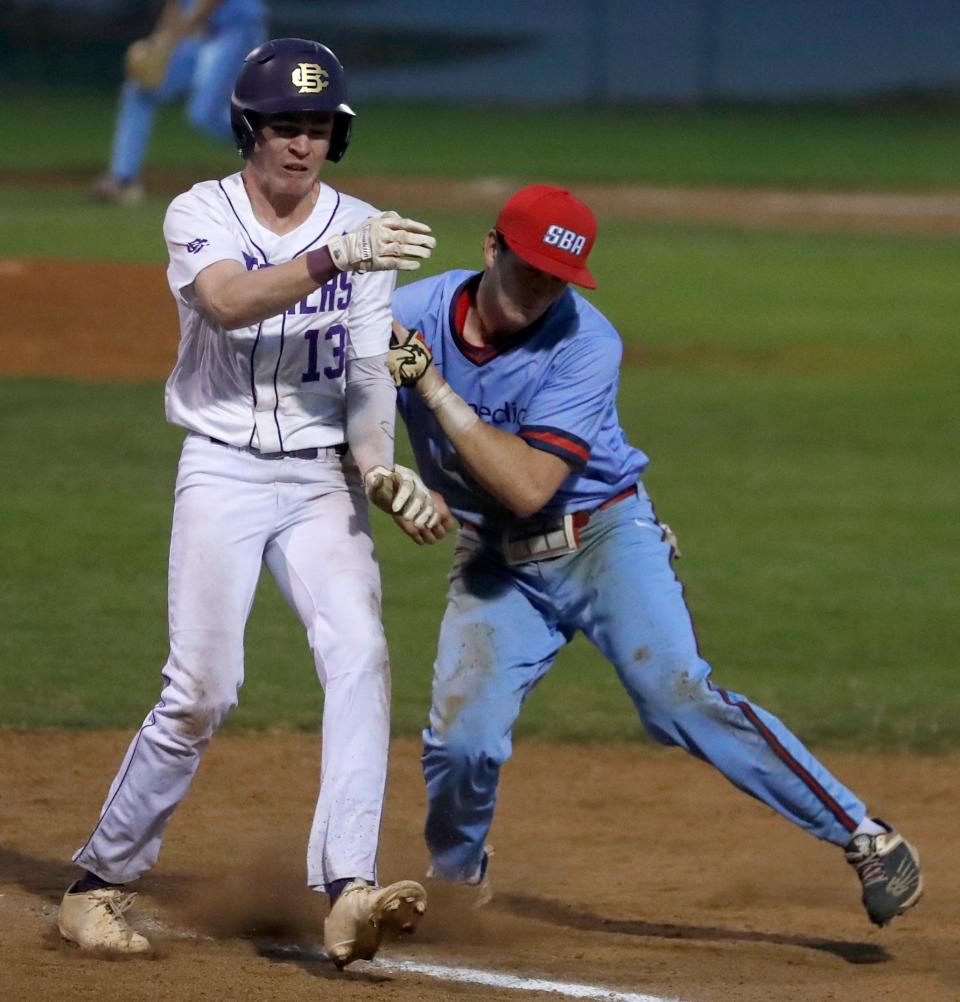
column 401, row 492
column 385, row 242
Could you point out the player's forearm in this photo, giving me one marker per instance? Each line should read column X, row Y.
column 202, row 9
column 182, row 23
column 504, row 465
column 371, row 402
column 521, row 478
column 248, row 297
column 172, row 20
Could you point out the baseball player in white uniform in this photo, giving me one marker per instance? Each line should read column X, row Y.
column 283, row 288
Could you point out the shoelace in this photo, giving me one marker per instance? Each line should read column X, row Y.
column 871, row 870
column 118, row 904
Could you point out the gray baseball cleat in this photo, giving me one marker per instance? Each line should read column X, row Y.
column 889, row 869
column 362, row 913
column 94, row 920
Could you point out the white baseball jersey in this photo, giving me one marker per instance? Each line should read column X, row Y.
column 276, row 386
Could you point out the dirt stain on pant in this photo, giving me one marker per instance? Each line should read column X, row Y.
column 476, row 664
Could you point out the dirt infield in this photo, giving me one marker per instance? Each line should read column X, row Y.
column 625, row 868
column 635, row 869
column 106, row 321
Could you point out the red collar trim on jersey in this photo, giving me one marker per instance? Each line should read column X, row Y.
column 466, row 296
column 463, row 299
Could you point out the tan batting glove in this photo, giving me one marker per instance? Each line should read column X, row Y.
column 385, row 242
column 408, row 358
column 400, row 491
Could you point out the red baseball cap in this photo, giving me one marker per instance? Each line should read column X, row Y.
column 551, row 230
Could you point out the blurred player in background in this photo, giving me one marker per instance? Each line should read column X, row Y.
column 512, row 415
column 196, row 49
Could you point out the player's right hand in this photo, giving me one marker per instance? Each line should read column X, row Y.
column 409, row 356
column 385, row 242
column 432, row 534
column 400, row 491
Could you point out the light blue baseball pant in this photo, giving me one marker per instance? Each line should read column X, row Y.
column 202, row 67
column 500, row 634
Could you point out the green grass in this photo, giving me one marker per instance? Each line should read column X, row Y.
column 66, row 223
column 796, row 393
column 795, row 147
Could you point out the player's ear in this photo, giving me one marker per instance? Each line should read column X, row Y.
column 491, row 247
column 257, row 123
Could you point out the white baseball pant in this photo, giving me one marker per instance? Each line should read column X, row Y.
column 307, row 520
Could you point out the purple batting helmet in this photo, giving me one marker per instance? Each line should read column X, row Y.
column 288, row 75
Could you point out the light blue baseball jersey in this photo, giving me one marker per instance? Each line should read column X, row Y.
column 554, row 384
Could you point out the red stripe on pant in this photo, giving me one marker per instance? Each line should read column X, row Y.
column 789, row 761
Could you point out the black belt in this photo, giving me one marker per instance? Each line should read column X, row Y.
column 314, row 453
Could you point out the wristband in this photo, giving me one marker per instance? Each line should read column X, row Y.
column 320, row 265
column 452, row 411
column 434, row 398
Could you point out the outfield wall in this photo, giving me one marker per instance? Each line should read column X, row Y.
column 685, row 51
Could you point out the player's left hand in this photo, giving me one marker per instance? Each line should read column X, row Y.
column 384, row 242
column 409, row 356
column 400, row 491
column 434, row 534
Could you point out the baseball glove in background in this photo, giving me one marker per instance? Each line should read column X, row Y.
column 147, row 59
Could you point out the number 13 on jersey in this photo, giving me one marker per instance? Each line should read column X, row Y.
column 336, row 333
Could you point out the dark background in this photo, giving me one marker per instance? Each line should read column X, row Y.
column 576, row 51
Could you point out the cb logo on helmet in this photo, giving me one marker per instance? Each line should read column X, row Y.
column 309, row 78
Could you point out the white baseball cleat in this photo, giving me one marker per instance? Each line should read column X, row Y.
column 362, row 913
column 94, row 920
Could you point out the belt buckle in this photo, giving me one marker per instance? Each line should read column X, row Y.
column 549, row 538
column 317, row 452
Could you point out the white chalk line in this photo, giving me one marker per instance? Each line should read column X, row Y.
column 484, row 977
column 480, row 976
column 514, row 982
column 442, row 972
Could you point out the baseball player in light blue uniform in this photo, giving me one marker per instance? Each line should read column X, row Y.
column 215, row 36
column 515, row 425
